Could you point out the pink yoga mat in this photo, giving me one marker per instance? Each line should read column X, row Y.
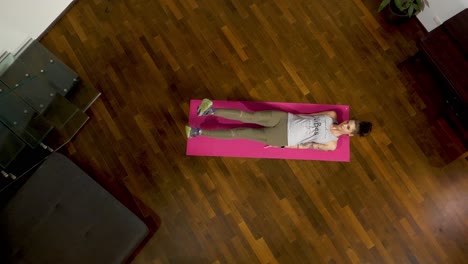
column 205, row 146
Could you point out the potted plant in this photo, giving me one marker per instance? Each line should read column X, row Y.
column 397, row 11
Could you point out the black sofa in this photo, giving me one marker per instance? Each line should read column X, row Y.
column 61, row 215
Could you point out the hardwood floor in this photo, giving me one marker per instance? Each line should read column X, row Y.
column 399, row 200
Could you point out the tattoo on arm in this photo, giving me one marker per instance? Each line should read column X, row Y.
column 311, row 145
column 317, row 146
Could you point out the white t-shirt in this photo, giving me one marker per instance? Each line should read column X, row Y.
column 306, row 129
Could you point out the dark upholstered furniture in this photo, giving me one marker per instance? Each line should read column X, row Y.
column 446, row 49
column 61, row 215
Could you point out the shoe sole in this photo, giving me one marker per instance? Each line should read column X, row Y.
column 187, row 131
column 205, row 105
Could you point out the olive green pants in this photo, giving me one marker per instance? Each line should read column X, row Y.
column 274, row 131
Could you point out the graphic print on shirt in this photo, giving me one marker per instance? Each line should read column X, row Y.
column 306, row 129
column 313, row 126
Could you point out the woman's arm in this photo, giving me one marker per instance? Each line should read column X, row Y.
column 325, row 147
column 331, row 114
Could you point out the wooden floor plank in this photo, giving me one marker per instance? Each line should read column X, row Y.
column 401, row 199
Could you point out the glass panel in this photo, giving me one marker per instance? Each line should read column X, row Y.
column 36, row 92
column 22, row 119
column 33, row 106
column 10, row 146
column 40, row 61
column 39, row 95
column 16, row 74
column 83, row 97
column 4, row 90
column 44, row 99
column 26, row 160
column 60, row 111
column 6, row 60
column 60, row 137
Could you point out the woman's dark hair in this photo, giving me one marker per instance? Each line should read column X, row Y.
column 362, row 128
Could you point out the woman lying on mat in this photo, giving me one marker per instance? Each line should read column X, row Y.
column 318, row 131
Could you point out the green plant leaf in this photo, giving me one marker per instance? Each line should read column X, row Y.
column 399, row 5
column 406, row 4
column 410, row 10
column 383, row 5
column 418, row 6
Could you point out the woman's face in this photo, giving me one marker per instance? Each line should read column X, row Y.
column 347, row 127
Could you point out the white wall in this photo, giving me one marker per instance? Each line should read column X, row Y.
column 439, row 11
column 23, row 19
column 10, row 38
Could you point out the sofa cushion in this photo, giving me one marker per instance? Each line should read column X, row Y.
column 61, row 215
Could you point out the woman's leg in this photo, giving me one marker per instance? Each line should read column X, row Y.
column 269, row 118
column 276, row 135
